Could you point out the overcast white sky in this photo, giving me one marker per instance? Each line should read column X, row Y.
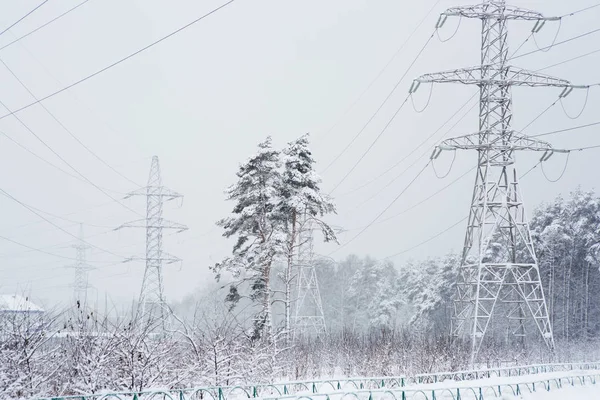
column 204, row 98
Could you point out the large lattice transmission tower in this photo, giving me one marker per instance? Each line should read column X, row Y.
column 499, row 270
column 82, row 268
column 152, row 306
column 309, row 318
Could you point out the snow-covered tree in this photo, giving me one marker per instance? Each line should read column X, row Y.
column 254, row 224
column 300, row 208
column 431, row 290
column 374, row 292
column 566, row 234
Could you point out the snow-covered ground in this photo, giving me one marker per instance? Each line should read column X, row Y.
column 591, row 392
column 576, row 385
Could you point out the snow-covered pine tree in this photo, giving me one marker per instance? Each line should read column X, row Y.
column 254, row 224
column 374, row 292
column 301, row 207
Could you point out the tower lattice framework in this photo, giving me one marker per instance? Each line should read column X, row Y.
column 309, row 318
column 152, row 306
column 492, row 277
column 82, row 268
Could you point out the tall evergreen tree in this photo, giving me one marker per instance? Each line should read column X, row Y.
column 254, row 223
column 301, row 208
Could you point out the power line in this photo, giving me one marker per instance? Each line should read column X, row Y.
column 382, row 212
column 423, row 154
column 420, row 144
column 46, row 161
column 565, row 130
column 31, row 209
column 422, row 201
column 370, row 146
column 380, row 106
column 584, row 148
column 44, row 25
column 72, row 213
column 24, row 16
column 531, row 35
column 40, row 250
column 580, row 11
column 64, row 127
column 66, row 162
column 569, row 60
column 382, row 70
column 429, row 239
column 555, row 44
column 34, row 248
column 451, row 226
column 120, row 60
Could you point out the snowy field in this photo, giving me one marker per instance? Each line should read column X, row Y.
column 574, row 385
column 568, row 393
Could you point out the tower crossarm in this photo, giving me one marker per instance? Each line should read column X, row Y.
column 507, row 76
column 495, row 10
column 508, row 141
column 163, row 224
column 165, row 259
column 155, row 191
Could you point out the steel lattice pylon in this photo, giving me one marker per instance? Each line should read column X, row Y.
column 81, row 282
column 309, row 318
column 498, row 265
column 152, row 306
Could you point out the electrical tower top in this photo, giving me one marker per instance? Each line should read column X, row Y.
column 499, row 272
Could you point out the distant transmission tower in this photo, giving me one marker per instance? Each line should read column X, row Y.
column 152, row 306
column 309, row 318
column 511, row 275
column 81, row 282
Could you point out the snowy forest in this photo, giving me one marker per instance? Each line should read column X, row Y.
column 382, row 318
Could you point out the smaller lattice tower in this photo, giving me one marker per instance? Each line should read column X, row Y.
column 152, row 307
column 309, row 318
column 80, row 283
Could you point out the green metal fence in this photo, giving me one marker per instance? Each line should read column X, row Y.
column 316, row 389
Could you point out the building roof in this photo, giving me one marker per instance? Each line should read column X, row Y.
column 16, row 303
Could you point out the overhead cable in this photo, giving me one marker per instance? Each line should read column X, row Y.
column 24, row 16
column 59, row 122
column 384, row 210
column 380, row 106
column 380, row 72
column 420, row 144
column 44, row 25
column 441, row 232
column 556, row 44
column 370, row 146
column 135, row 53
column 32, row 210
column 67, row 163
column 565, row 130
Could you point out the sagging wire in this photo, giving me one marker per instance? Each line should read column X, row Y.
column 561, row 174
column 412, row 100
column 437, row 31
column 449, row 169
column 587, row 94
column 547, row 48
